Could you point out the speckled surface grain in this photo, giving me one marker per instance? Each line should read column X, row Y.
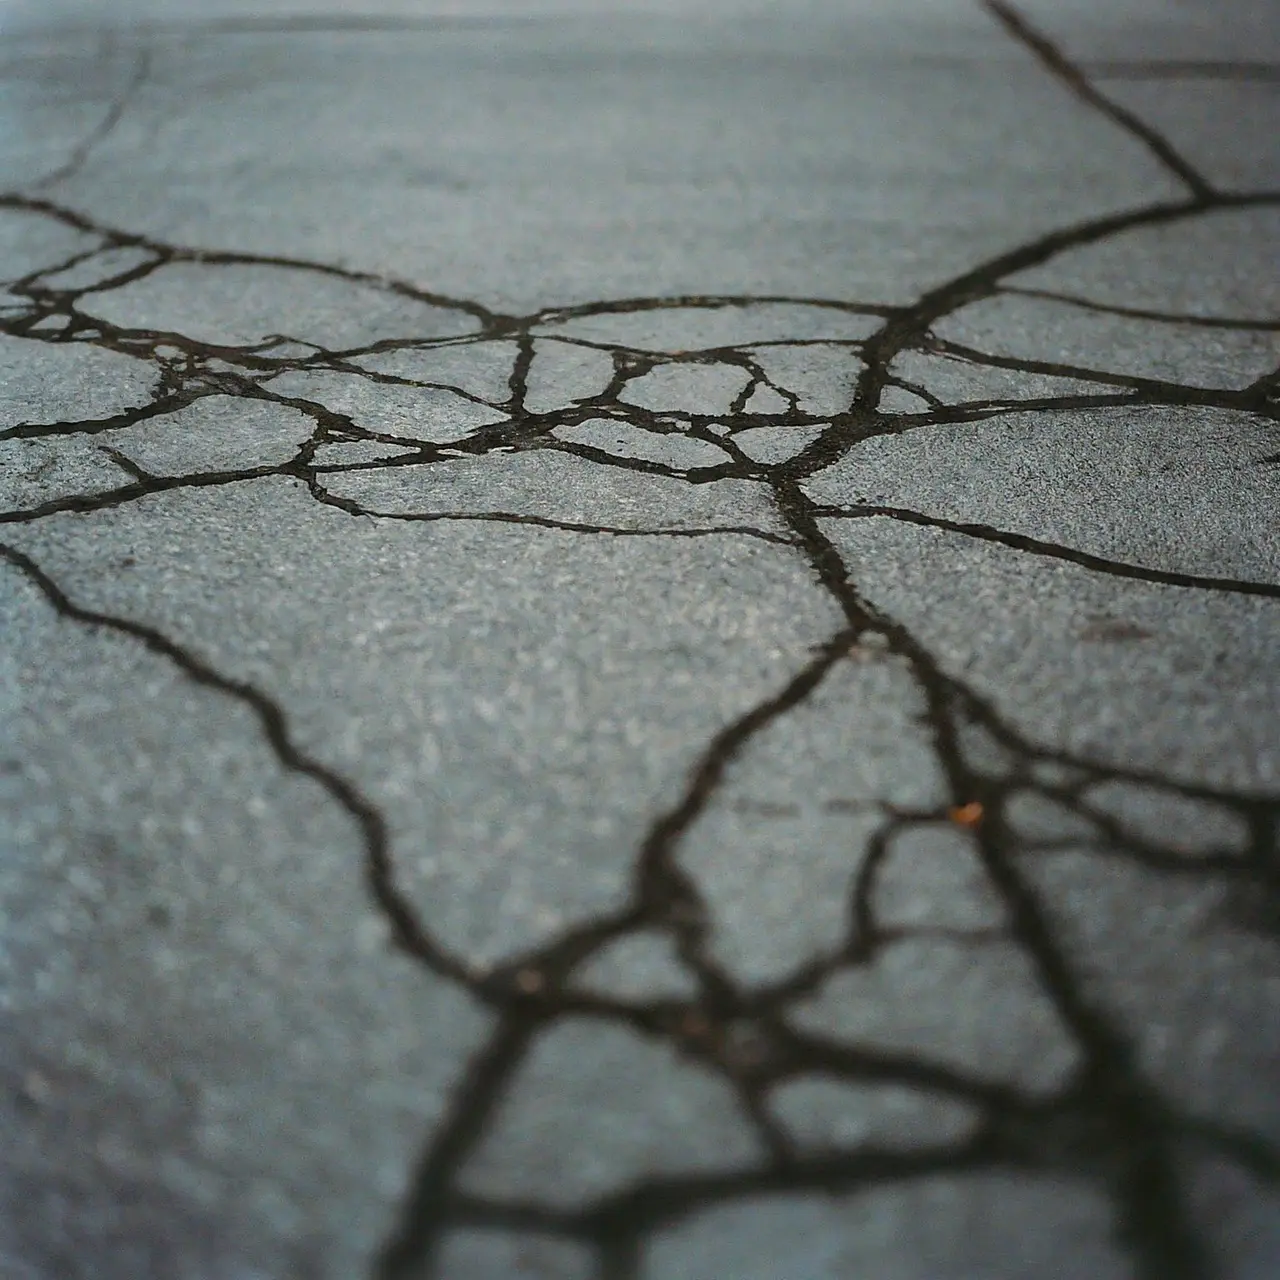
column 640, row 641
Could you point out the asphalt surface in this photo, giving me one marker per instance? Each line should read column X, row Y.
column 640, row 641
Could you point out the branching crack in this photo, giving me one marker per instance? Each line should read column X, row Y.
column 1108, row 1123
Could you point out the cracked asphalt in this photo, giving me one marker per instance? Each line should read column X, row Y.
column 641, row 640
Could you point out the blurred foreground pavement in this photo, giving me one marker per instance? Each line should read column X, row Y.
column 640, row 640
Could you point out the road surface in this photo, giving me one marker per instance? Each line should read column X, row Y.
column 640, row 640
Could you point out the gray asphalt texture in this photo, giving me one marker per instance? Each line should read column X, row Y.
column 641, row 641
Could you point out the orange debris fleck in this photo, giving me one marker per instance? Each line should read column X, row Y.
column 966, row 815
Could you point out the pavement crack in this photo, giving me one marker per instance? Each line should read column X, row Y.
column 407, row 932
column 1054, row 550
column 1262, row 324
column 1057, row 62
column 104, row 128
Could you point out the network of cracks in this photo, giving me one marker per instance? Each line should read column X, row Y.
column 451, row 388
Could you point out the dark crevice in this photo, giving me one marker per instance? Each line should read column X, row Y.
column 1065, row 70
column 1038, row 547
column 103, row 130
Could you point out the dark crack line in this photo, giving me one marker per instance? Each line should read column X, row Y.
column 84, row 504
column 159, row 408
column 1054, row 550
column 1150, row 390
column 911, row 326
column 407, row 933
column 1154, row 1222
column 490, row 321
column 1267, row 324
column 666, row 895
column 571, row 526
column 664, row 1202
column 410, row 1250
column 1052, row 57
column 706, row 776
column 707, row 302
column 105, row 127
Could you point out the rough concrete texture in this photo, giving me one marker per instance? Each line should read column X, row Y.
column 641, row 640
